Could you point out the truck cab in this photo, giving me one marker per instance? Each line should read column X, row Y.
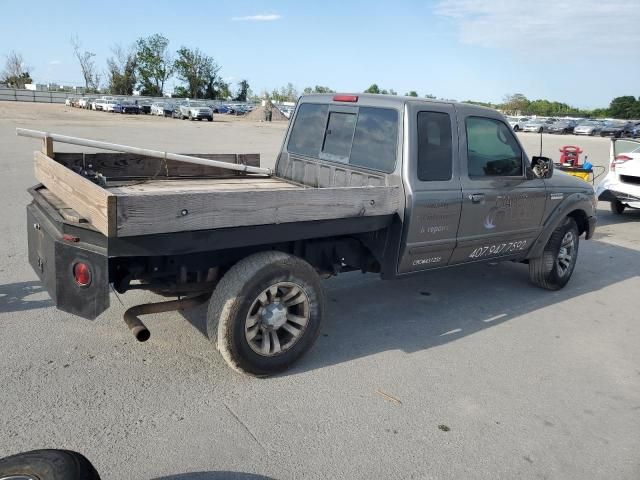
column 471, row 192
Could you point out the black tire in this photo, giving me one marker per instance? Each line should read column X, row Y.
column 617, row 207
column 545, row 271
column 209, row 119
column 516, row 128
column 49, row 465
column 238, row 291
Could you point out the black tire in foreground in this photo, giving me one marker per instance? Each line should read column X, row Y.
column 265, row 313
column 48, row 465
column 617, row 207
column 553, row 269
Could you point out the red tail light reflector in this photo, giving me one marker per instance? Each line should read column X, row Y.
column 82, row 274
column 619, row 160
column 345, row 98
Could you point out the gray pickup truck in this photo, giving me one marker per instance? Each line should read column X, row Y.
column 464, row 189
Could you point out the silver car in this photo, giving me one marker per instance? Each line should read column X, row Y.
column 194, row 110
column 587, row 128
column 517, row 123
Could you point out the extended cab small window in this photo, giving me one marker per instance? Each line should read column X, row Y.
column 492, row 150
column 434, row 146
column 374, row 143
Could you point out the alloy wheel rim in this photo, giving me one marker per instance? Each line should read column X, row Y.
column 566, row 254
column 19, row 477
column 277, row 319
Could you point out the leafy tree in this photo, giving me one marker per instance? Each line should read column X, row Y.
column 155, row 65
column 516, row 103
column 285, row 94
column 373, row 89
column 180, row 91
column 121, row 71
column 482, row 104
column 15, row 73
column 624, row 107
column 411, row 93
column 392, row 92
column 198, row 71
column 318, row 89
column 243, row 91
column 87, row 65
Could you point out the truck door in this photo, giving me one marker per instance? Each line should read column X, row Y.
column 432, row 187
column 502, row 202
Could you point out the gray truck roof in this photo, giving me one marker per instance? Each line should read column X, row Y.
column 380, row 100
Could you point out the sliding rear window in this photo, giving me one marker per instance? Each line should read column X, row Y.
column 366, row 137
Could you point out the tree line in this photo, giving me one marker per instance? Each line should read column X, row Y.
column 148, row 64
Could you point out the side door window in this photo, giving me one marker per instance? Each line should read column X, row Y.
column 492, row 150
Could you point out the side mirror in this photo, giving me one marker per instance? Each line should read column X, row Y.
column 542, row 167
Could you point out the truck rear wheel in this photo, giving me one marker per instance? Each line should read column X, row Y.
column 49, row 465
column 266, row 312
column 554, row 268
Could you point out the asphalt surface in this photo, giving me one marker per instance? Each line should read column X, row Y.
column 464, row 373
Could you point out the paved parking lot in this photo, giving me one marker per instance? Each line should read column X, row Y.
column 464, row 373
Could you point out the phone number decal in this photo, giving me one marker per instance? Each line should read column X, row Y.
column 498, row 249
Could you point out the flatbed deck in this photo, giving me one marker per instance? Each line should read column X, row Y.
column 144, row 196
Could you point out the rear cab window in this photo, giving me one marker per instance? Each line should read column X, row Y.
column 360, row 136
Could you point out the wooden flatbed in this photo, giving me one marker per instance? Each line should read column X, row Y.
column 142, row 195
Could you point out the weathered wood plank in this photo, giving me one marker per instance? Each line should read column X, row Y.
column 201, row 185
column 113, row 165
column 174, row 212
column 92, row 202
column 47, row 147
column 67, row 213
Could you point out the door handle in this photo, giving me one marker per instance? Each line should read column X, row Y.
column 476, row 197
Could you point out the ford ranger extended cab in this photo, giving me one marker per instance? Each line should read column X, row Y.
column 392, row 185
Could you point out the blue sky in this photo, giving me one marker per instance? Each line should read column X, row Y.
column 582, row 52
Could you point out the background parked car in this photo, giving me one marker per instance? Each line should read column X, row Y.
column 157, row 108
column 126, row 106
column 632, row 130
column 169, row 109
column 221, row 109
column 590, row 127
column 194, row 110
column 613, row 129
column 537, row 125
column 562, row 127
column 109, row 105
column 145, row 106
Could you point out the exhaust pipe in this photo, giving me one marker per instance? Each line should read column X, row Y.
column 139, row 329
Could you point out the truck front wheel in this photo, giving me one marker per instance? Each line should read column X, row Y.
column 266, row 312
column 49, row 465
column 554, row 268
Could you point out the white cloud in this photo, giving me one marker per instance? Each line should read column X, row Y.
column 55, row 62
column 567, row 25
column 257, row 18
